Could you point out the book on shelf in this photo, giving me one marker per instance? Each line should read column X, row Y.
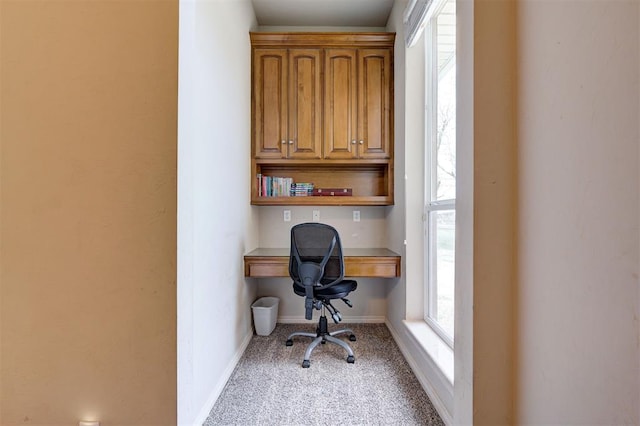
column 259, row 184
column 332, row 192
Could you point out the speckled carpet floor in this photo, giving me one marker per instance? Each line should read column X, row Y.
column 269, row 386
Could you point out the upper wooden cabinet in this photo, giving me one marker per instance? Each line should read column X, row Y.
column 357, row 115
column 287, row 103
column 322, row 112
column 341, row 103
column 375, row 121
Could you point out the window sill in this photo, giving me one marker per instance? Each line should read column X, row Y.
column 434, row 346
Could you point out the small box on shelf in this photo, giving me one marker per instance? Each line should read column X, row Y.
column 333, row 192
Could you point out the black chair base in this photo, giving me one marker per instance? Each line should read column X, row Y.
column 323, row 336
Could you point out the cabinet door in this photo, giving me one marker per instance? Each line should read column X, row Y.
column 374, row 107
column 305, row 103
column 340, row 100
column 270, row 103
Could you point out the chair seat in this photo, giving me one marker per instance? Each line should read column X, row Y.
column 336, row 291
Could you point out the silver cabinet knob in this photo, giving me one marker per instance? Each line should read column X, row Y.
column 290, row 142
column 284, row 142
column 361, row 142
column 353, row 142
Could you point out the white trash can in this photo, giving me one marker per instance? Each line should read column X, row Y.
column 265, row 314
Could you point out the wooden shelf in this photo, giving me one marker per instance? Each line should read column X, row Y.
column 370, row 181
column 321, row 201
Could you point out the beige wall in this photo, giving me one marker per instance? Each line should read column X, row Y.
column 494, row 198
column 555, row 290
column 578, row 108
column 88, row 208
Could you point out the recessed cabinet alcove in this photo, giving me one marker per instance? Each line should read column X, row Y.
column 322, row 114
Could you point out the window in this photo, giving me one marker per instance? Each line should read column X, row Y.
column 440, row 166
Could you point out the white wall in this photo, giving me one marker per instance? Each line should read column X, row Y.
column 463, row 344
column 216, row 224
column 414, row 178
column 369, row 300
column 396, row 290
column 578, row 296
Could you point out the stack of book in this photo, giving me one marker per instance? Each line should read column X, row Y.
column 303, row 189
column 276, row 186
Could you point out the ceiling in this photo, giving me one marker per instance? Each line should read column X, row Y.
column 323, row 13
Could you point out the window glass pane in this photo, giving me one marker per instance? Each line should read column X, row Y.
column 443, row 236
column 445, row 161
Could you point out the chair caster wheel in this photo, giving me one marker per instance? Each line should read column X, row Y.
column 289, row 342
column 306, row 363
column 351, row 359
column 352, row 337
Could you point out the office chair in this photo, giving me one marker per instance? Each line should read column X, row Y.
column 316, row 266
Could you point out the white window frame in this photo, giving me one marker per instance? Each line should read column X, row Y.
column 431, row 92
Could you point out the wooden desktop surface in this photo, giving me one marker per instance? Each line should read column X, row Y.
column 358, row 262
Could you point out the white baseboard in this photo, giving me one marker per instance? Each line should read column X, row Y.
column 217, row 390
column 345, row 319
column 418, row 370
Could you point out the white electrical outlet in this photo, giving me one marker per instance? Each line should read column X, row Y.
column 287, row 215
column 316, row 215
column 356, row 215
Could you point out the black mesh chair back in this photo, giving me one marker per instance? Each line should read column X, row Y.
column 320, row 244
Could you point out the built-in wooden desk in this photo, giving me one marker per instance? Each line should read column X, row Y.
column 358, row 262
